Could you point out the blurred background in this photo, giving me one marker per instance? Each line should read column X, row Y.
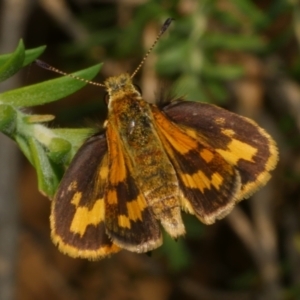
column 240, row 54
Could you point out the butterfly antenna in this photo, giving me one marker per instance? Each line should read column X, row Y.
column 46, row 66
column 162, row 30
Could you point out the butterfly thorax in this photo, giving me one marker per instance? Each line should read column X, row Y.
column 130, row 121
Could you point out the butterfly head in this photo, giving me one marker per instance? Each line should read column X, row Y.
column 121, row 85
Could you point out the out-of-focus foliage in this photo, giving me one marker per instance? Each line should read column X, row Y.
column 191, row 54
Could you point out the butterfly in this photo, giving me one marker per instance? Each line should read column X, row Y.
column 151, row 162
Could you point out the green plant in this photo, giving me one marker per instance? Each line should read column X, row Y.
column 48, row 150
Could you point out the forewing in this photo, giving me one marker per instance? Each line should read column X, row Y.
column 208, row 183
column 239, row 140
column 77, row 216
column 129, row 219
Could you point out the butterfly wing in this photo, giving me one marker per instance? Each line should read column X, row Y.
column 209, row 184
column 77, row 218
column 239, row 140
column 129, row 220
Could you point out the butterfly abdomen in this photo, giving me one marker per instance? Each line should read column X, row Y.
column 131, row 119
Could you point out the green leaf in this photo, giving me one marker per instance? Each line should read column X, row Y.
column 8, row 118
column 74, row 136
column 22, row 143
column 13, row 63
column 59, row 150
column 47, row 178
column 48, row 91
column 30, row 55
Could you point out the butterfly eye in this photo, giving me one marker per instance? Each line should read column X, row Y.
column 106, row 98
column 138, row 88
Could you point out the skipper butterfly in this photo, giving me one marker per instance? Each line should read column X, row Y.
column 150, row 163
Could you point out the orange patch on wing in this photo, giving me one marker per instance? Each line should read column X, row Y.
column 76, row 198
column 124, row 221
column 112, row 197
column 237, row 150
column 136, row 207
column 117, row 172
column 207, row 155
column 84, row 217
column 200, row 181
column 174, row 135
